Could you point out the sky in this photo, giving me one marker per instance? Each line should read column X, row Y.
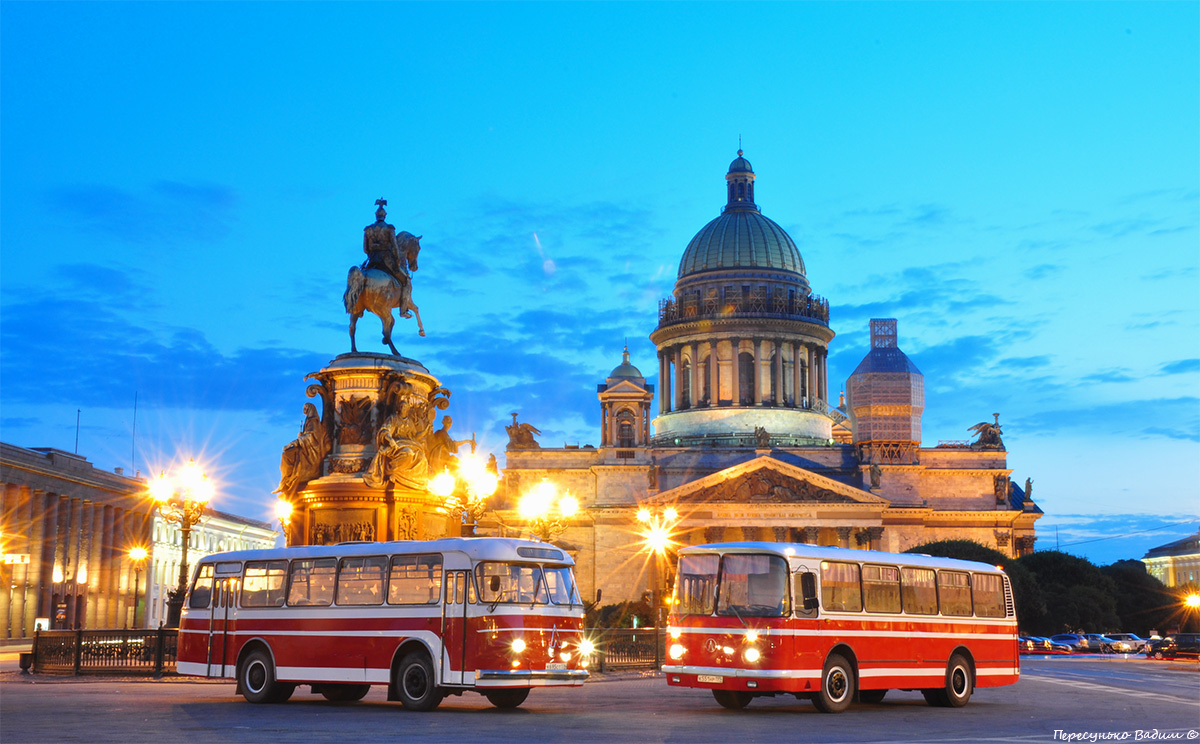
column 183, row 187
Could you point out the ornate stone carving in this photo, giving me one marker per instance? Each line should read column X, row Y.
column 988, row 435
column 782, row 534
column 401, row 445
column 384, row 281
column 302, row 458
column 843, row 534
column 520, row 436
column 1001, row 485
column 349, row 465
column 1024, row 544
column 811, row 535
column 714, row 534
column 769, row 487
column 406, row 524
column 1002, row 537
column 332, row 526
column 354, row 421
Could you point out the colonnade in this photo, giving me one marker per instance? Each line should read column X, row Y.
column 680, row 378
column 78, row 574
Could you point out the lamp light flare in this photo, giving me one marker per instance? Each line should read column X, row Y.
column 138, row 554
column 1192, row 601
column 569, row 505
column 643, row 515
column 670, row 514
column 442, row 484
column 283, row 510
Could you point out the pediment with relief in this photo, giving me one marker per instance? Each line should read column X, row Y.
column 765, row 480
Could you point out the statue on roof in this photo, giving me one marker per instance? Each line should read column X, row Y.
column 988, row 435
column 520, row 436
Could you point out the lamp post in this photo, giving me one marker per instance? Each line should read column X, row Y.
column 465, row 492
column 283, row 512
column 547, row 513
column 181, row 500
column 657, row 540
column 138, row 555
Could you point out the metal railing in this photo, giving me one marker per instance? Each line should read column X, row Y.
column 105, row 651
column 628, row 648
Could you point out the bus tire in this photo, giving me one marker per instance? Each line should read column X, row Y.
column 871, row 697
column 415, row 683
column 732, row 699
column 837, row 685
column 344, row 693
column 958, row 686
column 257, row 678
column 510, row 698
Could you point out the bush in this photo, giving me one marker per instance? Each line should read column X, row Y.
column 620, row 615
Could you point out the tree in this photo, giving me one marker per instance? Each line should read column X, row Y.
column 1026, row 594
column 1143, row 602
column 1078, row 597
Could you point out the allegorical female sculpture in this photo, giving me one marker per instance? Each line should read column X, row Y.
column 302, row 458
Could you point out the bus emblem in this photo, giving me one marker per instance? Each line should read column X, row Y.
column 553, row 641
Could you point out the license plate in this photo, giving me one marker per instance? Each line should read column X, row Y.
column 556, row 666
column 709, row 678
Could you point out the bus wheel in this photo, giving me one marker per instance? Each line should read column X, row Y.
column 837, row 686
column 732, row 699
column 871, row 697
column 257, row 676
column 415, row 683
column 958, row 687
column 344, row 693
column 507, row 698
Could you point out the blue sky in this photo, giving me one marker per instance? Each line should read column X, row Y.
column 184, row 187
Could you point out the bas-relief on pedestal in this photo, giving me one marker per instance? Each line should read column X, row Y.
column 359, row 470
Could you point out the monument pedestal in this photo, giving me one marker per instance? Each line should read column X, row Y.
column 378, row 413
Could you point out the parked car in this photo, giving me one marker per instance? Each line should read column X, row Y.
column 1134, row 644
column 1076, row 641
column 1180, row 645
column 1103, row 644
column 1040, row 645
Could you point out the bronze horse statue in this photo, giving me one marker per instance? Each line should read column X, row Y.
column 378, row 291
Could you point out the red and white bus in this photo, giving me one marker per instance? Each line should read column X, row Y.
column 495, row 616
column 832, row 625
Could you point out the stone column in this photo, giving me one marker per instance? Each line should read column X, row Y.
column 758, row 371
column 780, row 391
column 662, row 385
column 809, row 378
column 781, row 534
column 875, row 537
column 714, row 534
column 93, row 524
column 737, row 371
column 811, row 535
column 697, row 387
column 677, row 377
column 824, row 379
column 796, row 392
column 843, row 534
column 714, row 375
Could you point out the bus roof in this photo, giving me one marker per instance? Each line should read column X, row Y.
column 822, row 553
column 477, row 548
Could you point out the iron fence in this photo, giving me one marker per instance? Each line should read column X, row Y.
column 105, row 651
column 628, row 648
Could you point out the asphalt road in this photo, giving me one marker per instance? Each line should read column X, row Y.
column 1133, row 699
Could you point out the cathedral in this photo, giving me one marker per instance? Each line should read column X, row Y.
column 741, row 440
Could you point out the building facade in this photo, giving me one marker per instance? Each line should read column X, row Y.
column 745, row 443
column 1175, row 563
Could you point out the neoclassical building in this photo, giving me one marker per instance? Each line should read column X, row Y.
column 745, row 444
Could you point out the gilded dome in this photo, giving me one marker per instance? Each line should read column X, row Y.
column 741, row 237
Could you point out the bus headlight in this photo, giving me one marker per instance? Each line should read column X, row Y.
column 751, row 636
column 676, row 651
column 565, row 656
column 586, row 647
column 674, row 633
column 752, row 655
column 518, row 645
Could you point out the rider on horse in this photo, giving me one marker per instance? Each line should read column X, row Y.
column 379, row 243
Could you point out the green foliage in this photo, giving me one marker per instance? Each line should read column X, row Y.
column 1143, row 602
column 620, row 615
column 1026, row 594
column 1078, row 597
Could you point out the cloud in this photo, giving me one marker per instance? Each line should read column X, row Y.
column 1041, row 271
column 1111, row 375
column 1183, row 366
column 1172, row 418
column 165, row 209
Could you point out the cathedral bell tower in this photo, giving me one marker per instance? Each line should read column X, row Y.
column 625, row 401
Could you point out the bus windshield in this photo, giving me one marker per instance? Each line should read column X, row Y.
column 696, row 586
column 523, row 583
column 753, row 586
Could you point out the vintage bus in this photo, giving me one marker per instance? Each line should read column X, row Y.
column 834, row 625
column 495, row 616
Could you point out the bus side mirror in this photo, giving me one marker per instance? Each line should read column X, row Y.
column 808, row 590
column 494, row 585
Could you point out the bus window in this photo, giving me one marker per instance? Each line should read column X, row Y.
column 360, row 580
column 695, row 589
column 263, row 585
column 919, row 589
column 510, row 583
column 562, row 585
column 881, row 588
column 839, row 587
column 312, row 582
column 202, row 589
column 989, row 595
column 954, row 593
column 415, row 579
column 753, row 586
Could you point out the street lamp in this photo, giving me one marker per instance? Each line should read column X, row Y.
column 138, row 555
column 181, row 500
column 547, row 513
column 465, row 492
column 283, row 512
column 658, row 528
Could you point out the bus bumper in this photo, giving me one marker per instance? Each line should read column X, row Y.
column 530, row 677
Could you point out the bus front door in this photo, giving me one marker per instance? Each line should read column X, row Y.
column 222, row 614
column 454, row 628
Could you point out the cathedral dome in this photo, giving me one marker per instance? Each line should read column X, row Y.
column 625, row 370
column 741, row 237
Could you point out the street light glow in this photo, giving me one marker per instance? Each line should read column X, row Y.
column 138, row 554
column 1192, row 601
